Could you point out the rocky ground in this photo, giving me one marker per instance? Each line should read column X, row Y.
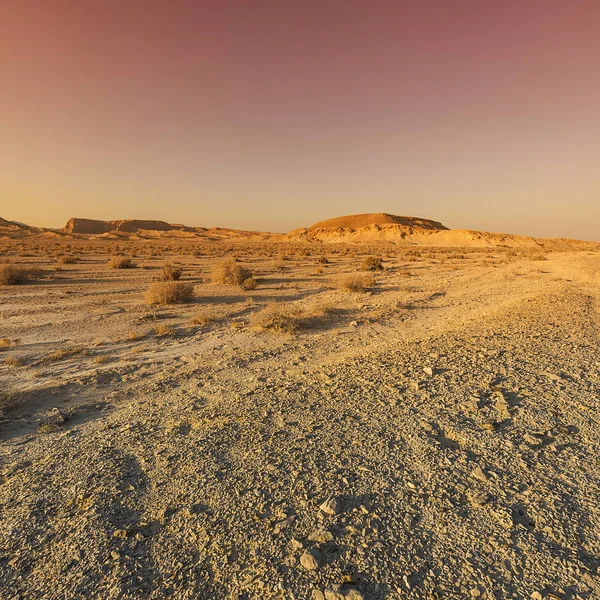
column 437, row 438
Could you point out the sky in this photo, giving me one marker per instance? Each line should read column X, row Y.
column 273, row 114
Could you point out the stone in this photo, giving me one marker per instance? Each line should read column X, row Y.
column 312, row 559
column 428, row 371
column 354, row 595
column 317, row 595
column 321, row 536
column 120, row 533
column 331, row 506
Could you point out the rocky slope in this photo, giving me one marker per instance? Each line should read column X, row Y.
column 380, row 219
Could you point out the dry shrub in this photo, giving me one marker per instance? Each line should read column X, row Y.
column 201, row 318
column 67, row 260
column 121, row 262
column 13, row 275
column 355, row 282
column 277, row 316
column 372, row 263
column 170, row 273
column 539, row 257
column 230, row 272
column 4, row 343
column 288, row 318
column 162, row 330
column 169, row 292
column 249, row 284
column 101, row 359
column 13, row 361
column 67, row 352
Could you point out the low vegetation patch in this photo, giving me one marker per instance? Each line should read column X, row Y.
column 287, row 318
column 14, row 275
column 121, row 262
column 169, row 292
column 230, row 272
column 372, row 263
column 355, row 282
column 170, row 273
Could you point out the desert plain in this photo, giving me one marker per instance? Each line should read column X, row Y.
column 359, row 419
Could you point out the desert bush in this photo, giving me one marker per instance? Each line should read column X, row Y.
column 288, row 318
column 13, row 275
column 355, row 282
column 249, row 284
column 372, row 263
column 162, row 330
column 277, row 316
column 170, row 273
column 68, row 259
column 169, row 292
column 538, row 257
column 121, row 262
column 323, row 260
column 202, row 318
column 4, row 343
column 230, row 272
column 13, row 361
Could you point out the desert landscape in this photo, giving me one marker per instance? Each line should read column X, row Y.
column 373, row 407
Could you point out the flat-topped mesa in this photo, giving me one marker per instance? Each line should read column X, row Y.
column 97, row 226
column 379, row 219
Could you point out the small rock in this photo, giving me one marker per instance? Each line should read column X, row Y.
column 536, row 596
column 331, row 506
column 120, row 533
column 321, row 536
column 354, row 595
column 317, row 595
column 333, row 595
column 477, row 473
column 311, row 560
column 428, row 371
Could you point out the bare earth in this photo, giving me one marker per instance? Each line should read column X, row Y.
column 437, row 437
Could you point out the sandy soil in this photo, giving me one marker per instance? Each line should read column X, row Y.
column 437, row 437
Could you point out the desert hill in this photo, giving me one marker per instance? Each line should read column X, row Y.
column 382, row 227
column 380, row 219
column 96, row 226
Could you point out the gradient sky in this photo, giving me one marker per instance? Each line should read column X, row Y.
column 273, row 114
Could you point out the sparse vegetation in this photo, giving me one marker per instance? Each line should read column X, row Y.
column 372, row 263
column 230, row 272
column 355, row 282
column 15, row 275
column 121, row 262
column 163, row 330
column 170, row 273
column 169, row 292
column 67, row 259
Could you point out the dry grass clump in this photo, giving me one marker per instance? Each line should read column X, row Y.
column 13, row 275
column 170, row 273
column 162, row 330
column 67, row 259
column 13, row 361
column 230, row 272
column 355, row 282
column 121, row 262
column 67, row 352
column 202, row 318
column 539, row 257
column 288, row 318
column 4, row 343
column 277, row 316
column 169, row 292
column 372, row 263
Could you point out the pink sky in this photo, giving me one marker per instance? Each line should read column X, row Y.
column 273, row 114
